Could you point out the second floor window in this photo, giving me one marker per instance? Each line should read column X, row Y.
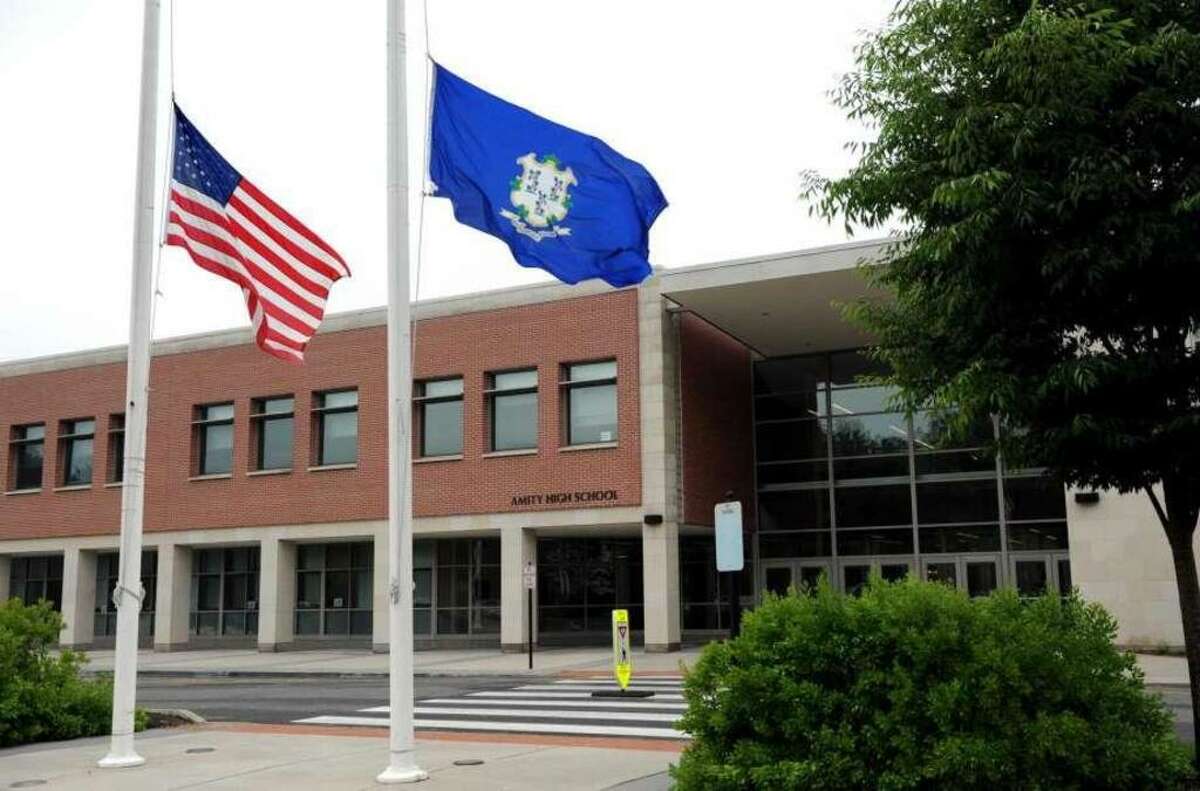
column 116, row 448
column 76, row 438
column 440, row 409
column 335, row 420
column 272, row 422
column 591, row 403
column 28, row 444
column 214, row 439
column 514, row 410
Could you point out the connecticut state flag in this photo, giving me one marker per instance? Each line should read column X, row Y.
column 561, row 200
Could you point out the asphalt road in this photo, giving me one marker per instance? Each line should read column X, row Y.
column 281, row 700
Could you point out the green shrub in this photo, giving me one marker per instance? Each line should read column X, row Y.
column 913, row 685
column 42, row 696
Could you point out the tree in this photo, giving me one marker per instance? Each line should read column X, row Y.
column 1042, row 160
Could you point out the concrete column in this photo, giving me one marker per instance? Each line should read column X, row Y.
column 174, row 601
column 5, row 578
column 379, row 593
column 276, row 594
column 518, row 546
column 78, row 598
column 659, row 400
column 660, row 579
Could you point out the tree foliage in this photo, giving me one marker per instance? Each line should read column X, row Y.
column 916, row 686
column 1043, row 161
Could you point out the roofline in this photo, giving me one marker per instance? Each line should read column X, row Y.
column 495, row 299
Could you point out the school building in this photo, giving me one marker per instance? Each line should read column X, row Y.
column 587, row 430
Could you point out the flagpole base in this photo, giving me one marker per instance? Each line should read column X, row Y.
column 120, row 761
column 394, row 775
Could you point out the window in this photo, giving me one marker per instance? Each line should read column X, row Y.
column 334, row 589
column 76, row 438
column 591, row 403
column 335, row 420
column 439, row 405
column 116, row 448
column 514, row 410
column 225, row 592
column 27, row 446
column 467, row 586
column 213, row 439
column 582, row 580
column 32, row 579
column 272, row 423
column 107, row 573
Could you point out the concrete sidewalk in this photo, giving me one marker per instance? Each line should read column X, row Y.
column 230, row 758
column 464, row 662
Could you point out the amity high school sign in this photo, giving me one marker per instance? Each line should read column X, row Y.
column 590, row 497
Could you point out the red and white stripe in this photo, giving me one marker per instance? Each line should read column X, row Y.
column 285, row 270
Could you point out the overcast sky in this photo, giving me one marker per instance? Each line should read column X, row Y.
column 724, row 103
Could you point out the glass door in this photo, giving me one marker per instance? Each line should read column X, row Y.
column 778, row 576
column 1031, row 574
column 981, row 574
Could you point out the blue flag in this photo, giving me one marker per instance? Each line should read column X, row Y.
column 561, row 200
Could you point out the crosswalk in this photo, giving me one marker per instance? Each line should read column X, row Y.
column 565, row 707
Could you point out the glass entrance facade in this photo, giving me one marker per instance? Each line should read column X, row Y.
column 847, row 487
column 108, row 566
column 582, row 580
column 456, row 588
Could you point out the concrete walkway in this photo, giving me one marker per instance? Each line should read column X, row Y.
column 472, row 662
column 229, row 758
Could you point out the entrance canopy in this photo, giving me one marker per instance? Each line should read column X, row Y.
column 783, row 304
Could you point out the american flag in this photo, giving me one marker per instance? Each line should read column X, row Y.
column 232, row 229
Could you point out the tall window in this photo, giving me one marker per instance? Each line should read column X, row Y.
column 116, row 448
column 27, row 446
column 225, row 592
column 76, row 438
column 334, row 589
column 107, row 573
column 514, row 409
column 214, row 439
column 440, row 408
column 591, row 401
column 32, row 579
column 272, row 422
column 335, row 420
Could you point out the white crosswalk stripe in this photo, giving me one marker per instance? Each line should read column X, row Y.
column 565, row 707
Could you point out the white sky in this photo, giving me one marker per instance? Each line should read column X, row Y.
column 724, row 103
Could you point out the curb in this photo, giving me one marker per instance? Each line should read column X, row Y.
column 318, row 674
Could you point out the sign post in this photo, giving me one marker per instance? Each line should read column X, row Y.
column 622, row 659
column 529, row 575
column 727, row 518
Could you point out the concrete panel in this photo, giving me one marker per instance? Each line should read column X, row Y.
column 518, row 546
column 660, row 581
column 78, row 598
column 174, row 597
column 276, row 594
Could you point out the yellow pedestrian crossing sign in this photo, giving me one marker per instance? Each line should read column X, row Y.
column 622, row 659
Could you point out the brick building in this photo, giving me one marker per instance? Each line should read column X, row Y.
column 587, row 430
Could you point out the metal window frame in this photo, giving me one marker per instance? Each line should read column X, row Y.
column 420, row 401
column 67, row 442
column 17, row 446
column 493, row 393
column 320, row 411
column 259, row 418
column 568, row 386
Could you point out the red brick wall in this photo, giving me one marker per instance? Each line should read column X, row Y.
column 717, row 420
column 546, row 335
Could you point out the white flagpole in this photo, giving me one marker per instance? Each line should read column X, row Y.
column 402, row 764
column 128, row 594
